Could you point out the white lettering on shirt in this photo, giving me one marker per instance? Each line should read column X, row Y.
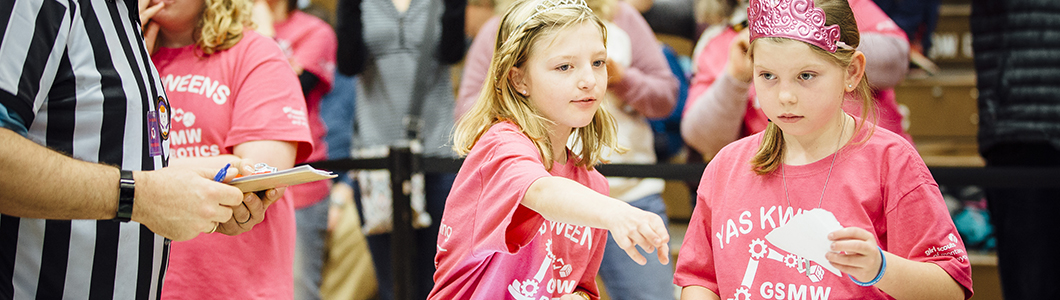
column 186, row 136
column 198, row 151
column 764, row 216
column 222, row 95
column 731, row 230
column 297, row 116
column 199, row 85
column 782, row 214
column 769, row 290
column 560, row 285
column 196, row 81
column 949, row 249
column 445, row 230
column 576, row 234
column 207, row 88
column 182, row 85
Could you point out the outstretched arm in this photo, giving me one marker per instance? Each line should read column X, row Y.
column 563, row 200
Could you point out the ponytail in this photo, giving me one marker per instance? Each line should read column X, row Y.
column 771, row 152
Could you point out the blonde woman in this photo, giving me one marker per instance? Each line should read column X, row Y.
column 233, row 96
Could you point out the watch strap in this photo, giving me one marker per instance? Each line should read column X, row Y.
column 126, row 194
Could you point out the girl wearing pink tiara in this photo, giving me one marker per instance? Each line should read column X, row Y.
column 527, row 217
column 769, row 222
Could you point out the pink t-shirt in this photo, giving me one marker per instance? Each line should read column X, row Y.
column 242, row 94
column 880, row 185
column 870, row 19
column 492, row 247
column 311, row 43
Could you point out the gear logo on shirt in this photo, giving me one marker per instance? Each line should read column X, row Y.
column 528, row 289
column 185, row 117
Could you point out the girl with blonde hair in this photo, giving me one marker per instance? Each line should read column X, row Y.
column 640, row 85
column 528, row 216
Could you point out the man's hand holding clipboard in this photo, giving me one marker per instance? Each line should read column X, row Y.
column 267, row 184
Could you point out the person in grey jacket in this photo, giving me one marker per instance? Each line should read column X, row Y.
column 396, row 47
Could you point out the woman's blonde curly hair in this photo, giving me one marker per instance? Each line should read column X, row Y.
column 222, row 24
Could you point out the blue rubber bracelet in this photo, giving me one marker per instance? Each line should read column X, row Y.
column 883, row 267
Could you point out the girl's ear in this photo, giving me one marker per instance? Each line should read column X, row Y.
column 855, row 71
column 518, row 80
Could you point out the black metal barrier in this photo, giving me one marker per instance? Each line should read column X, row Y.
column 402, row 164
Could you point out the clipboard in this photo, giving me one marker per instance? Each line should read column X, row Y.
column 297, row 175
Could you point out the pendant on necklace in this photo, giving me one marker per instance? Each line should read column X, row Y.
column 805, row 263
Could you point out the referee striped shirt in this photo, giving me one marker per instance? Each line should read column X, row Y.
column 78, row 74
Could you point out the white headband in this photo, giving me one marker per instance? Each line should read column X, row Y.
column 548, row 5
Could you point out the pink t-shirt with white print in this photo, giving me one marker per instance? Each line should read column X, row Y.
column 492, row 247
column 242, row 94
column 880, row 185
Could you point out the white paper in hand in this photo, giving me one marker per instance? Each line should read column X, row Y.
column 806, row 235
column 297, row 175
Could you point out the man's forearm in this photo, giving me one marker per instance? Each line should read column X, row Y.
column 38, row 182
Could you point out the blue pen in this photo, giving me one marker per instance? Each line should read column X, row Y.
column 222, row 173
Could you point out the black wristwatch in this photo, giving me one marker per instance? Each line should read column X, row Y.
column 126, row 194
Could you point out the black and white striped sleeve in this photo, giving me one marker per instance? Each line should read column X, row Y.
column 32, row 42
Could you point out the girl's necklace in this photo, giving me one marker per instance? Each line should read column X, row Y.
column 784, row 177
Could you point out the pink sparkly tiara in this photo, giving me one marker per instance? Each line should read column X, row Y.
column 793, row 19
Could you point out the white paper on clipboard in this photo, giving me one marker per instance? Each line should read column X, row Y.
column 297, row 175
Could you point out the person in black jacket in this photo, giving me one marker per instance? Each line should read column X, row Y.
column 1017, row 62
